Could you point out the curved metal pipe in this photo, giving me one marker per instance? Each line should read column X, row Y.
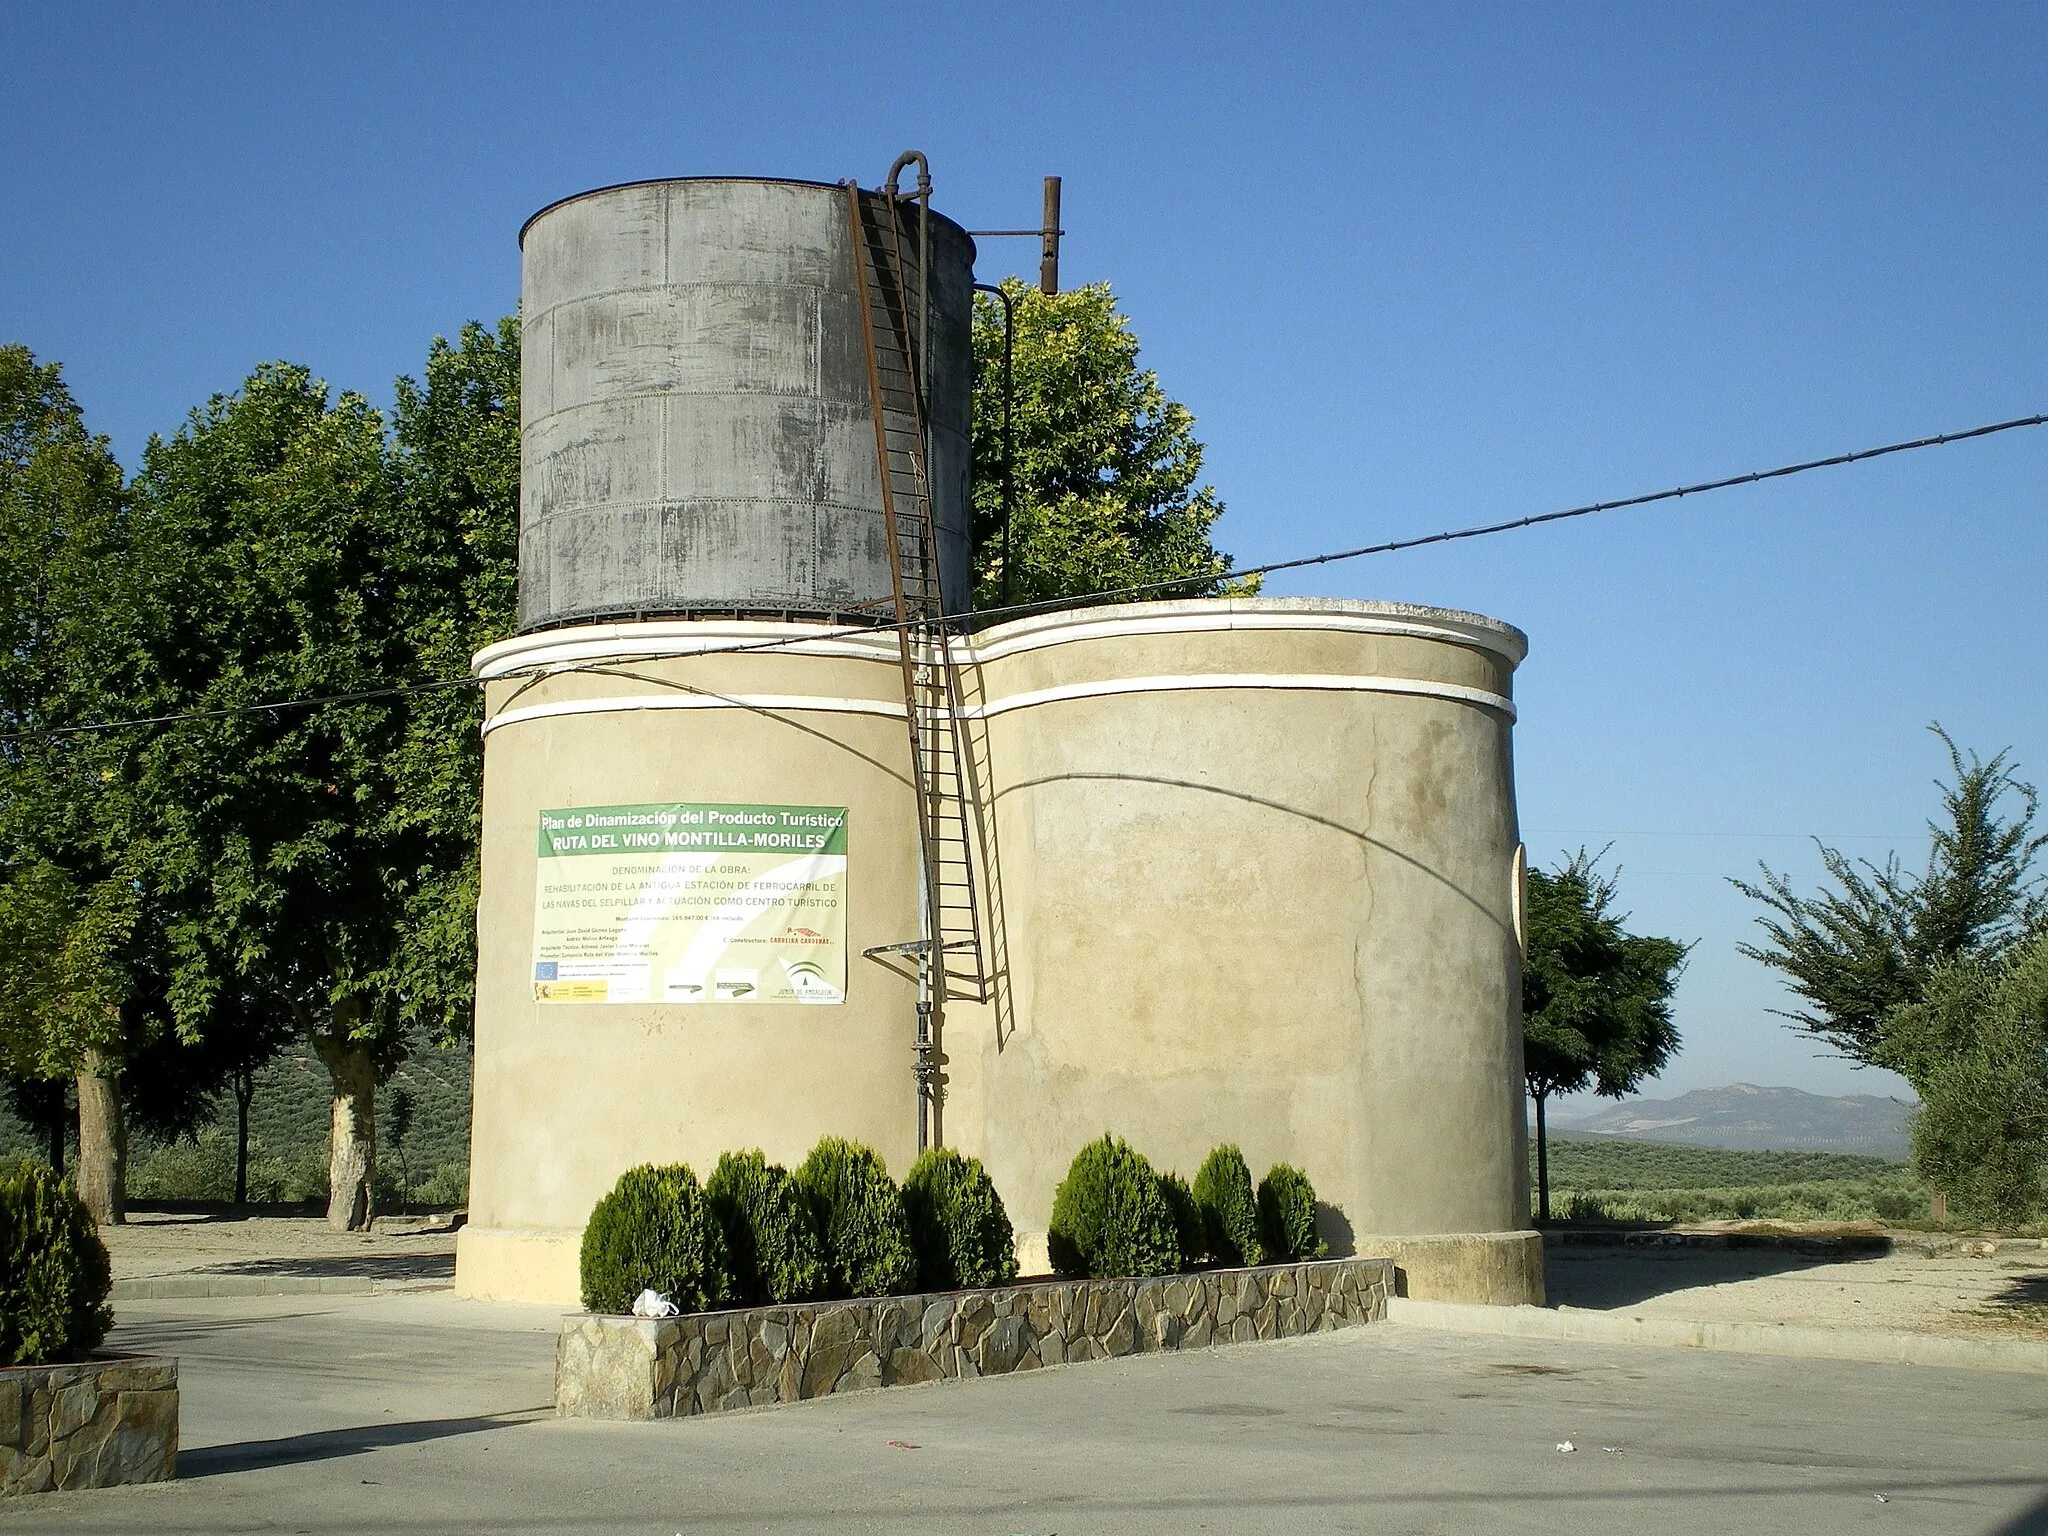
column 908, row 158
column 921, row 364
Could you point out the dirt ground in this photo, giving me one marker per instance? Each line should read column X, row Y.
column 2000, row 1294
column 153, row 1245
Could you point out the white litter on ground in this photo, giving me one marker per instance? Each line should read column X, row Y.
column 652, row 1303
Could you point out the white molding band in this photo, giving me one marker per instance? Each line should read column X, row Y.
column 653, row 640
column 780, row 703
column 1197, row 682
column 996, row 644
column 625, row 644
column 762, row 703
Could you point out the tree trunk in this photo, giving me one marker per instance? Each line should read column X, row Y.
column 102, row 1141
column 245, row 1090
column 352, row 1154
column 1542, row 1162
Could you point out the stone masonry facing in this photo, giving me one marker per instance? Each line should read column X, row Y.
column 609, row 1367
column 88, row 1426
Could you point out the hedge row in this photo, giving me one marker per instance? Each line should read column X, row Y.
column 1114, row 1214
column 756, row 1233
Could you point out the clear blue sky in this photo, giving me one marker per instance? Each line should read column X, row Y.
column 1412, row 267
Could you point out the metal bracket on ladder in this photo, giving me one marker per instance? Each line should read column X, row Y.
column 894, row 310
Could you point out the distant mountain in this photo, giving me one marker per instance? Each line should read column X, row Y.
column 1748, row 1118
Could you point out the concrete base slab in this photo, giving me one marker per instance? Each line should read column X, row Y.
column 1885, row 1348
column 519, row 1264
column 187, row 1287
column 1500, row 1269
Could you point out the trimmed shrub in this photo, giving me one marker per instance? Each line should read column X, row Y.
column 1287, row 1216
column 958, row 1227
column 860, row 1216
column 54, row 1273
column 1188, row 1228
column 1110, row 1216
column 771, row 1237
column 655, row 1232
column 1230, row 1208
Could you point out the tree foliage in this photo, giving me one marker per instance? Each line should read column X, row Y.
column 55, row 1276
column 1287, row 1216
column 654, row 1231
column 456, row 459
column 1596, row 999
column 771, row 1233
column 270, row 522
column 71, row 917
column 1871, row 943
column 1975, row 1045
column 1229, row 1203
column 1190, row 1231
column 1106, row 468
column 958, row 1225
column 1110, row 1217
column 860, row 1213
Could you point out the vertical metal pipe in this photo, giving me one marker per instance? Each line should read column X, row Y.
column 1049, row 240
column 1009, row 433
column 924, row 295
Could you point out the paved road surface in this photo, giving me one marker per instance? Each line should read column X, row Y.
column 420, row 1413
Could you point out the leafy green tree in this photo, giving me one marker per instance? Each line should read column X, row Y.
column 43, row 1104
column 456, row 457
column 277, row 545
column 1105, row 465
column 1870, row 944
column 1596, row 999
column 71, row 914
column 1975, row 1045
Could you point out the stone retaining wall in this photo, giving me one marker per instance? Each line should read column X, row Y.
column 90, row 1425
column 609, row 1367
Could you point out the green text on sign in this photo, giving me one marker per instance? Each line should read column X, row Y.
column 692, row 827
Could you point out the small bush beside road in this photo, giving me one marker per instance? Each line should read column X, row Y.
column 958, row 1225
column 54, row 1272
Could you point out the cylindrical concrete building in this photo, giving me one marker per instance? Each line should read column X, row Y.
column 697, row 435
column 1254, row 879
column 1247, row 869
column 572, row 1090
column 1257, row 862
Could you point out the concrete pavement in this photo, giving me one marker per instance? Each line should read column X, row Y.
column 417, row 1412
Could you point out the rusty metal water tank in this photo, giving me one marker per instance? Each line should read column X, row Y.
column 697, row 433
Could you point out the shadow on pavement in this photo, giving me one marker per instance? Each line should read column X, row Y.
column 2024, row 1291
column 1601, row 1277
column 218, row 1460
column 2031, row 1521
column 372, row 1266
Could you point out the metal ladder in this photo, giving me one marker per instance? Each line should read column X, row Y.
column 948, row 952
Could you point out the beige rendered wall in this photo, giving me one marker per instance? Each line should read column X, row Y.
column 568, row 1096
column 1255, row 880
column 1256, row 861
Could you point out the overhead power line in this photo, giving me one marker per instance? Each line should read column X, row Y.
column 1511, row 525
column 1142, row 589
